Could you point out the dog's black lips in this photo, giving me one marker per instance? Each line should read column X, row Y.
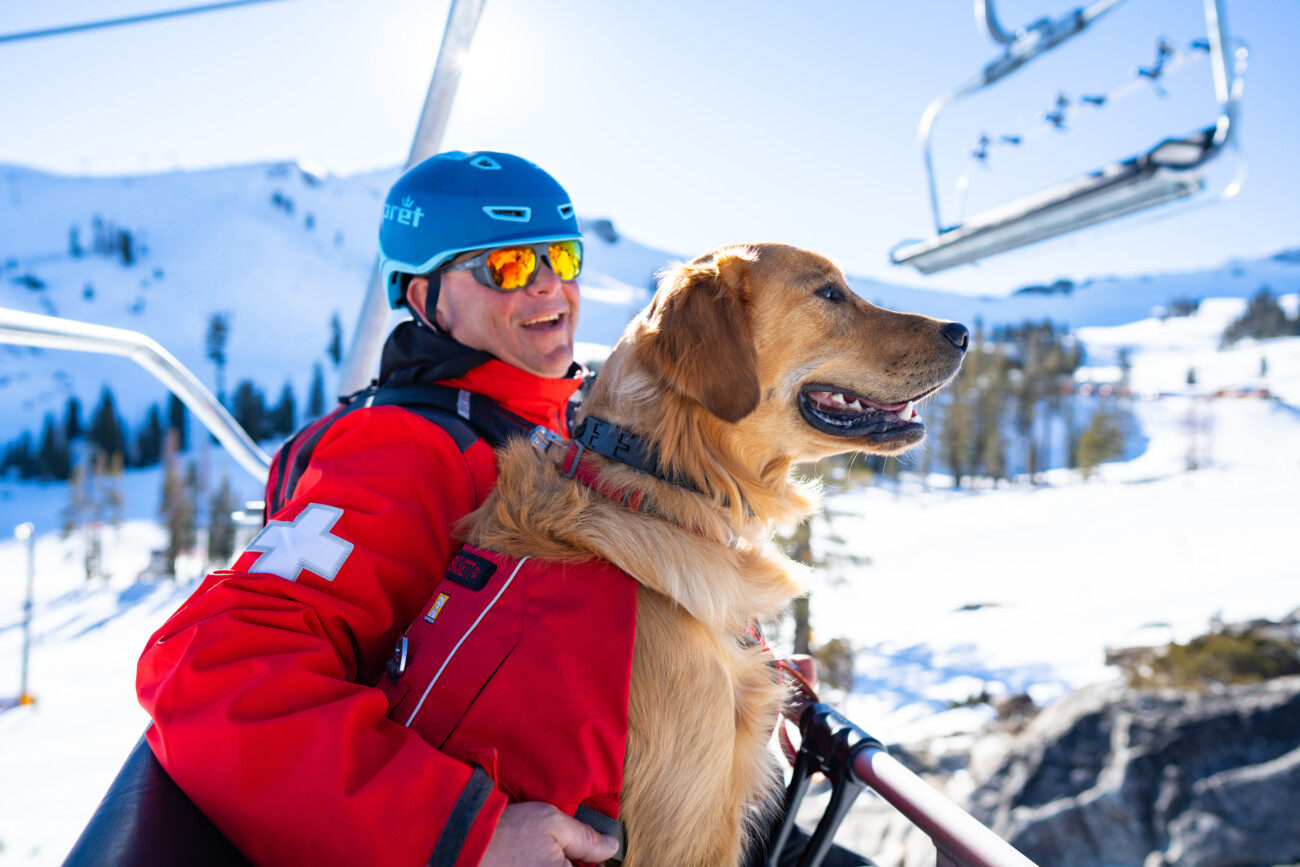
column 880, row 425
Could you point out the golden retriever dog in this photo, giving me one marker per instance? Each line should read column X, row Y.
column 748, row 361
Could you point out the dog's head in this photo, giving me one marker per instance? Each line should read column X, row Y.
column 772, row 336
column 765, row 353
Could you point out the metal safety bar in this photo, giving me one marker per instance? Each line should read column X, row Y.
column 53, row 332
column 853, row 760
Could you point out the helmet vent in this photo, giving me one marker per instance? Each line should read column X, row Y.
column 509, row 213
column 566, row 211
column 483, row 162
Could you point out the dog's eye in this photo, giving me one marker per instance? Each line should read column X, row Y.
column 830, row 293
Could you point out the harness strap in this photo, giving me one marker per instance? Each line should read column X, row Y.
column 604, row 825
column 465, row 416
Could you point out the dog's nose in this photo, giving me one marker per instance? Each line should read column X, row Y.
column 957, row 335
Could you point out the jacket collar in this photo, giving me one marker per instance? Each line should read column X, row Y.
column 421, row 355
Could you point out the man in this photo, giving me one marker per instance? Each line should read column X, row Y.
column 259, row 684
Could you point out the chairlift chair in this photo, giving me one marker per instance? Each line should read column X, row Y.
column 1173, row 169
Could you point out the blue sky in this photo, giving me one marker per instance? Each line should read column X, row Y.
column 692, row 124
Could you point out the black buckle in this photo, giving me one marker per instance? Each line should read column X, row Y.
column 831, row 743
column 396, row 665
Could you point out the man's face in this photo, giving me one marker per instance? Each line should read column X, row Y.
column 531, row 328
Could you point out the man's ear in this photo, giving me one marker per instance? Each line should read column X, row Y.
column 417, row 296
column 699, row 336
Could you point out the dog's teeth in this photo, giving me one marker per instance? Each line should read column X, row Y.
column 906, row 413
column 837, row 398
column 856, row 405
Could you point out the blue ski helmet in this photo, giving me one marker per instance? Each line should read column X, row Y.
column 456, row 202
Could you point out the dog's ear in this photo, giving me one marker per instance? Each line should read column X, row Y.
column 699, row 337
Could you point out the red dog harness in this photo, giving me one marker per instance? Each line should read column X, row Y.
column 523, row 667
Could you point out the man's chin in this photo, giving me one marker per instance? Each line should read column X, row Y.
column 550, row 365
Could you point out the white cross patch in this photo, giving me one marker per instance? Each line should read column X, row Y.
column 305, row 542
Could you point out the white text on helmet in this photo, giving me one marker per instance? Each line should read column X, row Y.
column 404, row 215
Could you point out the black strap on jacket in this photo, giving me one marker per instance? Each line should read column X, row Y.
column 466, row 416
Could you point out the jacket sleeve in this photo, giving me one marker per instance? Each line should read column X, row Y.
column 258, row 684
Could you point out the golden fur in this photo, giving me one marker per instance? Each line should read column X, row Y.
column 711, row 373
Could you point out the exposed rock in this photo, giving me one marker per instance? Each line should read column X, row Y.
column 1111, row 777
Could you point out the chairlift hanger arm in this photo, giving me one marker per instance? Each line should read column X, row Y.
column 53, row 332
column 373, row 323
column 1164, row 174
column 1028, row 43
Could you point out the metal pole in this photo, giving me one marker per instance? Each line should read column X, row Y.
column 372, row 324
column 26, row 532
column 53, row 332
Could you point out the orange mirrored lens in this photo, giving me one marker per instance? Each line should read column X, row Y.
column 566, row 259
column 512, row 267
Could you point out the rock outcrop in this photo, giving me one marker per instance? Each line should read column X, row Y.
column 1112, row 777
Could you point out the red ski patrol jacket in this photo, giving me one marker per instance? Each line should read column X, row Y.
column 523, row 667
column 260, row 685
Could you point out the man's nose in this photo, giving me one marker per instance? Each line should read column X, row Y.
column 545, row 283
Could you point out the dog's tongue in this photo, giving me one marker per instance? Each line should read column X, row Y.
column 837, row 402
column 887, row 407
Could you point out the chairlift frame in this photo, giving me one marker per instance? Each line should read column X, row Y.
column 1173, row 169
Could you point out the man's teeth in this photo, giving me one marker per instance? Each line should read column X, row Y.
column 540, row 320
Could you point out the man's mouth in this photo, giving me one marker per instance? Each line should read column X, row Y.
column 543, row 322
column 844, row 414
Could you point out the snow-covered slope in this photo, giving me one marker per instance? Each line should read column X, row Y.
column 1014, row 589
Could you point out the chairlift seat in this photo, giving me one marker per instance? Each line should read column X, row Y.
column 1173, row 169
column 145, row 820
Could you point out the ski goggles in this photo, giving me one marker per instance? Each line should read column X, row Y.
column 509, row 269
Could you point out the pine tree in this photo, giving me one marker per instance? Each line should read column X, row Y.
column 214, row 343
column 53, row 460
column 798, row 546
column 72, row 425
column 221, row 525
column 249, row 409
column 93, row 498
column 149, row 442
column 993, row 399
column 957, row 433
column 316, row 396
column 25, row 456
column 106, row 429
column 176, row 421
column 177, row 508
column 1102, row 441
column 335, row 347
column 284, row 417
column 1264, row 318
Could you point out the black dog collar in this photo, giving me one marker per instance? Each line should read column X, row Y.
column 620, row 444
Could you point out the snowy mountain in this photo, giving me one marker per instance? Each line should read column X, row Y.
column 284, row 248
column 281, row 248
column 941, row 594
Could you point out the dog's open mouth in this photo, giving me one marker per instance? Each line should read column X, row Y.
column 844, row 414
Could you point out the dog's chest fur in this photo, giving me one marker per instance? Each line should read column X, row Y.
column 703, row 701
